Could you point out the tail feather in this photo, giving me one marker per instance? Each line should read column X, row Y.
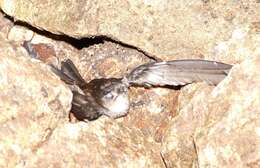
column 65, row 78
column 68, row 68
column 69, row 74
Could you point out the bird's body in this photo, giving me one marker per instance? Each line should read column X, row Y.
column 97, row 97
column 109, row 96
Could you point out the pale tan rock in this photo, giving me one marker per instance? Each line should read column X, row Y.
column 5, row 25
column 166, row 29
column 231, row 136
column 19, row 34
column 177, row 144
column 102, row 60
column 32, row 103
column 129, row 145
column 152, row 110
column 102, row 143
column 243, row 44
column 224, row 121
column 226, row 31
column 113, row 60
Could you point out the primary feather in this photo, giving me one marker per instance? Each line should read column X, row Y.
column 178, row 72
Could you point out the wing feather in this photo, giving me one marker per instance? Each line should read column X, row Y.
column 179, row 72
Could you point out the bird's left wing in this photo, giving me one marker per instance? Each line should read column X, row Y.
column 178, row 72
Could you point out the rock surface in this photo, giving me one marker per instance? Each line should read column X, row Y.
column 165, row 29
column 231, row 134
column 151, row 111
column 103, row 143
column 178, row 144
column 199, row 126
column 218, row 126
column 32, row 103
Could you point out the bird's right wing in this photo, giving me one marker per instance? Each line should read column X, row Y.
column 178, row 72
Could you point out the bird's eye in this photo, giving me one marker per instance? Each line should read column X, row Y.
column 109, row 96
column 120, row 90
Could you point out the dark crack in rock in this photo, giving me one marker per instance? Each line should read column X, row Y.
column 166, row 29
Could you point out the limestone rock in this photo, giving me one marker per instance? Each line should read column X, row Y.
column 231, row 136
column 5, row 25
column 102, row 60
column 152, row 110
column 19, row 33
column 224, row 121
column 211, row 122
column 156, row 106
column 166, row 29
column 177, row 144
column 102, row 143
column 32, row 103
column 81, row 143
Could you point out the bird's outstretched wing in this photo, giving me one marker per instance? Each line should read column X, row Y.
column 178, row 72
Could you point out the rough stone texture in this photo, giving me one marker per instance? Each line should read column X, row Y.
column 225, row 119
column 32, row 102
column 177, row 144
column 214, row 127
column 102, row 60
column 166, row 29
column 5, row 25
column 243, row 44
column 114, row 143
column 231, row 134
column 19, row 33
column 103, row 143
column 151, row 111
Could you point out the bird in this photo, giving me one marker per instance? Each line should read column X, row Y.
column 109, row 96
column 104, row 96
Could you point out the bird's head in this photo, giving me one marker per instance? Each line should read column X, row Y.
column 112, row 94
